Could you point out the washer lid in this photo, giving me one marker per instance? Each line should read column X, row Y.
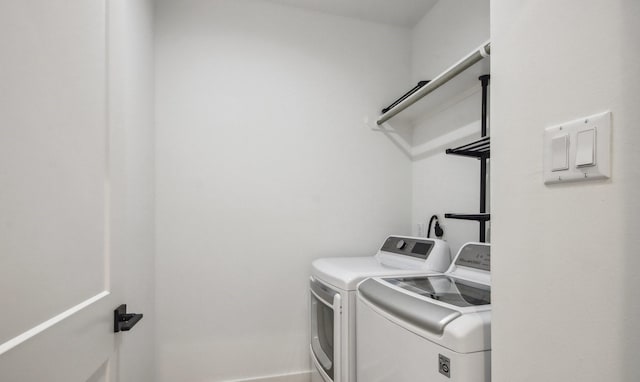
column 448, row 311
column 430, row 317
column 450, row 290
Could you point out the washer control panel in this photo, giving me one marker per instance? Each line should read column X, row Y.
column 419, row 248
column 475, row 255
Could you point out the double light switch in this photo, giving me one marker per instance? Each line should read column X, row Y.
column 578, row 150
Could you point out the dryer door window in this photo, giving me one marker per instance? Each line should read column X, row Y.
column 322, row 324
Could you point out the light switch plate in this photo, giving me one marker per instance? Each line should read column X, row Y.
column 601, row 169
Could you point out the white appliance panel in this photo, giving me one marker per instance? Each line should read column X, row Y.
column 391, row 353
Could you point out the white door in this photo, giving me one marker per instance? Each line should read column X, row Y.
column 58, row 283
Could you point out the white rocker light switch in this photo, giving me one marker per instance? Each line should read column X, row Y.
column 586, row 148
column 560, row 153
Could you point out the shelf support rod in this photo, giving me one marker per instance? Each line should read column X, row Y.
column 483, row 161
column 459, row 67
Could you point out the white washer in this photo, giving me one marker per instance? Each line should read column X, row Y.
column 428, row 327
column 333, row 298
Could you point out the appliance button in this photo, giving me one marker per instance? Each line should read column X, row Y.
column 401, row 244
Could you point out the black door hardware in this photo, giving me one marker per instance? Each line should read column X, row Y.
column 123, row 321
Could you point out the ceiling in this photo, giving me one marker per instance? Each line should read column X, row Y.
column 404, row 13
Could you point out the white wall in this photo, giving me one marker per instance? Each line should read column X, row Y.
column 131, row 121
column 565, row 257
column 445, row 183
column 263, row 164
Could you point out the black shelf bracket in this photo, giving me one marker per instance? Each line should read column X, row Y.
column 123, row 321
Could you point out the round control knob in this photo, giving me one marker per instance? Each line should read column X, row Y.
column 401, row 244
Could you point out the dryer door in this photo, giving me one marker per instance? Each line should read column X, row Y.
column 325, row 329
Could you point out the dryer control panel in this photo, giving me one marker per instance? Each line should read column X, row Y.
column 419, row 248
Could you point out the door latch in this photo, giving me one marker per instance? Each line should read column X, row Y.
column 123, row 321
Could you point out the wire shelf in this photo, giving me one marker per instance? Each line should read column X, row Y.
column 476, row 217
column 477, row 149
